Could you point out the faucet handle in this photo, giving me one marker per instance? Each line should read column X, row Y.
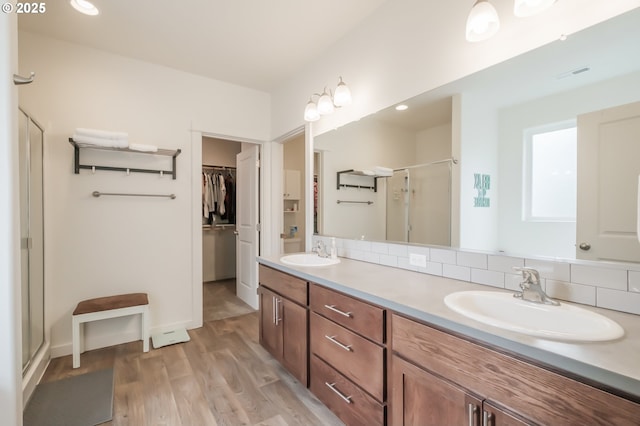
column 530, row 275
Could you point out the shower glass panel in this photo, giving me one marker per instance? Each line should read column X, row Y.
column 31, row 235
column 397, row 206
column 430, row 204
column 419, row 204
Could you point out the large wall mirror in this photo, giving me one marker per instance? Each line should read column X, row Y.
column 536, row 156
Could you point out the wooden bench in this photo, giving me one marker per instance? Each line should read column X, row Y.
column 109, row 307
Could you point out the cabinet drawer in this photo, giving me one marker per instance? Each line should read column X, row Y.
column 361, row 317
column 332, row 388
column 524, row 388
column 284, row 284
column 355, row 357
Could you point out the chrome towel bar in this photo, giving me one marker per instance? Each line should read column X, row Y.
column 98, row 194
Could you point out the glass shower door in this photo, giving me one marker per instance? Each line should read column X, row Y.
column 31, row 235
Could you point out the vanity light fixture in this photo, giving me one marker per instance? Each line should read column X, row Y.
column 327, row 102
column 85, row 7
column 482, row 22
column 524, row 8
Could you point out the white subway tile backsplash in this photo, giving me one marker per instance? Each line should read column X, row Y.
column 609, row 288
column 381, row 248
column 577, row 293
column 634, row 281
column 619, row 300
column 492, row 278
column 443, row 256
column 398, row 250
column 615, row 279
column 388, row 260
column 424, row 251
column 504, row 263
column 553, row 270
column 462, row 273
column 433, row 268
column 512, row 282
column 403, row 262
column 472, row 260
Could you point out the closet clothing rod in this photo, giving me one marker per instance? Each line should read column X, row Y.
column 98, row 194
column 354, row 202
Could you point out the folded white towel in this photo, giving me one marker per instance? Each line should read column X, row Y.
column 107, row 143
column 383, row 171
column 143, row 147
column 103, row 134
column 367, row 172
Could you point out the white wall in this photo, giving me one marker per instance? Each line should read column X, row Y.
column 10, row 331
column 106, row 246
column 555, row 239
column 433, row 144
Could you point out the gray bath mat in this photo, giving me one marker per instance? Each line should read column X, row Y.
column 84, row 400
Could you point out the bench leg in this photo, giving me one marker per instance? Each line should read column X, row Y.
column 76, row 341
column 145, row 329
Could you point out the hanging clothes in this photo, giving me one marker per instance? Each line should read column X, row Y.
column 222, row 210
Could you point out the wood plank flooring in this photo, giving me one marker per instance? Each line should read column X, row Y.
column 222, row 376
column 220, row 301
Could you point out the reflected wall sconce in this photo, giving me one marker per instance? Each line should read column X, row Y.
column 327, row 102
column 483, row 22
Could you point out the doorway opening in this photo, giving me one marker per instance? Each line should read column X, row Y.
column 219, row 230
column 294, row 195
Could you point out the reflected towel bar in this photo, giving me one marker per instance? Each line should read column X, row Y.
column 97, row 194
column 354, row 202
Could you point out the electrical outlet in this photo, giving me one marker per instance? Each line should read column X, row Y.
column 418, row 260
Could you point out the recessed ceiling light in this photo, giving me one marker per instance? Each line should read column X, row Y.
column 401, row 107
column 84, row 6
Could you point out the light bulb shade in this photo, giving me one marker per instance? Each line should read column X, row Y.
column 311, row 112
column 325, row 104
column 482, row 22
column 524, row 8
column 342, row 96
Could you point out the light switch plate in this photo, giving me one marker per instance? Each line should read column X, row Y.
column 419, row 260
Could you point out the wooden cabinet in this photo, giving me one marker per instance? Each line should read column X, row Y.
column 348, row 356
column 291, row 185
column 284, row 319
column 468, row 383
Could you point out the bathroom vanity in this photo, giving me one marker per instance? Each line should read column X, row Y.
column 377, row 345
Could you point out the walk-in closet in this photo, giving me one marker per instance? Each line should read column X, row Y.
column 218, row 229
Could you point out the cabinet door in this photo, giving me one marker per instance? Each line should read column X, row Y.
column 293, row 322
column 492, row 415
column 291, row 184
column 270, row 333
column 420, row 398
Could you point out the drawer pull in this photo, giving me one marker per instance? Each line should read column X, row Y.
column 332, row 339
column 332, row 386
column 338, row 311
column 278, row 319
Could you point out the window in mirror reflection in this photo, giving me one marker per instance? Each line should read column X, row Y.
column 550, row 172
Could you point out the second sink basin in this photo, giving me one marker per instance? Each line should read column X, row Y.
column 308, row 259
column 564, row 322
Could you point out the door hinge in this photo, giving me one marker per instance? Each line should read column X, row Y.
column 258, row 227
column 257, row 164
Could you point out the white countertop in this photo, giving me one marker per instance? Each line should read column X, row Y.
column 614, row 364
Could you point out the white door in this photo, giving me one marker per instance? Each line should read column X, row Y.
column 608, row 169
column 248, row 237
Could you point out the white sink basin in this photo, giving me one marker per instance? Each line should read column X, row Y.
column 308, row 259
column 564, row 322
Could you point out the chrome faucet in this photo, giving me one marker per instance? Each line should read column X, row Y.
column 531, row 289
column 321, row 249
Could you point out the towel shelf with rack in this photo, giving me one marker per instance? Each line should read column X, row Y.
column 369, row 181
column 173, row 153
